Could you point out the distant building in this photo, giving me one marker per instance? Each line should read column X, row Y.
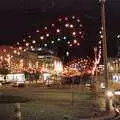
column 113, row 72
column 33, row 61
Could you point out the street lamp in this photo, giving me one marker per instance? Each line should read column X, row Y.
column 96, row 71
column 107, row 105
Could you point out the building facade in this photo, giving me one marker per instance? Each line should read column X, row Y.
column 34, row 66
column 113, row 67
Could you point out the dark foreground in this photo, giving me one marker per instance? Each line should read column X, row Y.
column 50, row 104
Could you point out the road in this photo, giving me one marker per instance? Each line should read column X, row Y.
column 51, row 104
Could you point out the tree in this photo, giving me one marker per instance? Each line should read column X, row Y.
column 26, row 75
column 37, row 74
column 4, row 71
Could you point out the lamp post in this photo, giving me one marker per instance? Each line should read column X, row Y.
column 96, row 72
column 102, row 2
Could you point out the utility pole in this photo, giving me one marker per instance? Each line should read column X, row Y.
column 96, row 73
column 104, row 42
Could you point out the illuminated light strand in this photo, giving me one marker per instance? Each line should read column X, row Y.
column 66, row 23
column 97, row 60
column 79, row 66
column 68, row 26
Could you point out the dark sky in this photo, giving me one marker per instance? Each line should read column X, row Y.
column 17, row 17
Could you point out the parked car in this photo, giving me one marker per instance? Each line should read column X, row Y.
column 18, row 84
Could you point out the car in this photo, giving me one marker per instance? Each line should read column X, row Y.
column 18, row 84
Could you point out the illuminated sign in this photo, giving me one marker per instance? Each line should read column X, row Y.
column 116, row 78
column 15, row 77
column 117, row 92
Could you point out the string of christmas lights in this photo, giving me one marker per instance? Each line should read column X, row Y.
column 66, row 31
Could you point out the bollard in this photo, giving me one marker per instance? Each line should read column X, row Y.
column 66, row 117
column 17, row 112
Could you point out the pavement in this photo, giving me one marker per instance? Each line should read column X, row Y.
column 50, row 104
column 104, row 116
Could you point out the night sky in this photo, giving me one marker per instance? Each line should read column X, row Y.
column 18, row 17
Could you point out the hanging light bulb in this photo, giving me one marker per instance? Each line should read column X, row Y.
column 29, row 36
column 64, row 37
column 45, row 28
column 75, row 41
column 37, row 31
column 45, row 45
column 71, row 26
column 20, row 48
column 33, row 41
column 58, row 30
column 31, row 47
column 73, row 17
column 78, row 20
column 53, row 25
column 68, row 42
column 70, row 45
column 66, row 25
column 78, row 44
column 27, row 44
column 81, row 25
column 47, row 35
column 15, row 51
column 67, row 53
column 41, row 37
column 118, row 36
column 18, row 53
column 23, row 40
column 58, row 39
column 74, row 33
column 59, row 19
column 18, row 43
column 66, row 18
column 52, row 41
